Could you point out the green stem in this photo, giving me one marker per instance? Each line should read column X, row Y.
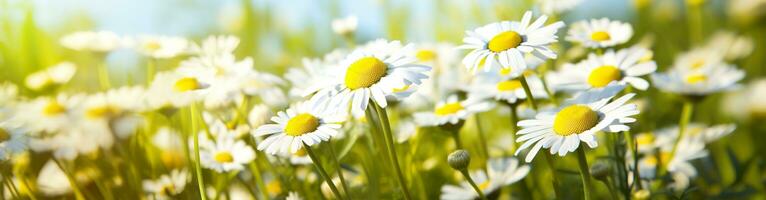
column 388, row 136
column 456, row 137
column 473, row 184
column 259, row 179
column 514, row 128
column 552, row 167
column 322, row 172
column 587, row 187
column 340, row 169
column 528, row 92
column 482, row 138
column 633, row 145
column 151, row 67
column 195, row 137
column 11, row 187
column 103, row 73
column 686, row 114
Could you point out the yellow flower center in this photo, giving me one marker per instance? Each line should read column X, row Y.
column 425, row 55
column 698, row 63
column 402, row 89
column 604, row 75
column 365, row 72
column 652, row 160
column 300, row 153
column 508, row 85
column 645, row 139
column 168, row 190
column 600, row 36
column 504, row 41
column 152, row 45
column 574, row 119
column 695, row 78
column 505, row 71
column 101, row 111
column 53, row 108
column 274, row 187
column 448, row 109
column 224, row 157
column 301, row 124
column 484, row 186
column 187, row 84
column 4, row 135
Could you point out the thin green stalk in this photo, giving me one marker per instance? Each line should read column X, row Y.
column 587, row 186
column 633, row 145
column 340, row 169
column 686, row 114
column 514, row 119
column 76, row 190
column 103, row 73
column 552, row 167
column 11, row 187
column 456, row 137
column 259, row 179
column 318, row 165
column 482, row 138
column 195, row 137
column 151, row 68
column 610, row 186
column 528, row 92
column 388, row 136
column 473, row 184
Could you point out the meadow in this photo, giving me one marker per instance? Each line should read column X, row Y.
column 383, row 99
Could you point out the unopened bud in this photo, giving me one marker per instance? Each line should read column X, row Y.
column 459, row 159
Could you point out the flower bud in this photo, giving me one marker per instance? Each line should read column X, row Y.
column 459, row 159
column 600, row 171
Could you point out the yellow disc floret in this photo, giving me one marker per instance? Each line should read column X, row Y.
column 187, row 84
column 301, row 124
column 365, row 72
column 600, row 36
column 508, row 85
column 574, row 119
column 504, row 41
column 224, row 157
column 604, row 75
column 426, row 55
column 695, row 78
column 53, row 108
column 448, row 109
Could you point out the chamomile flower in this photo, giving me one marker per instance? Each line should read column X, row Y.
column 506, row 89
column 597, row 71
column 699, row 82
column 698, row 59
column 303, row 123
column 578, row 120
column 552, row 7
column 172, row 89
column 372, row 72
column 168, row 185
column 502, row 172
column 600, row 33
column 114, row 111
column 504, row 44
column 225, row 154
column 170, row 143
column 216, row 45
column 58, row 74
column 48, row 114
column 12, row 140
column 452, row 111
column 161, row 47
column 345, row 26
column 95, row 41
column 731, row 45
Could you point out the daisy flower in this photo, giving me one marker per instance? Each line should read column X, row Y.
column 731, row 45
column 506, row 43
column 315, row 74
column 701, row 82
column 373, row 72
column 552, row 7
column 216, row 45
column 48, row 114
column 172, row 89
column 161, row 47
column 95, row 41
column 579, row 119
column 168, row 185
column 225, row 153
column 502, row 172
column 344, row 26
column 171, row 146
column 597, row 71
column 58, row 74
column 600, row 33
column 114, row 111
column 506, row 89
column 452, row 111
column 303, row 123
column 698, row 59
